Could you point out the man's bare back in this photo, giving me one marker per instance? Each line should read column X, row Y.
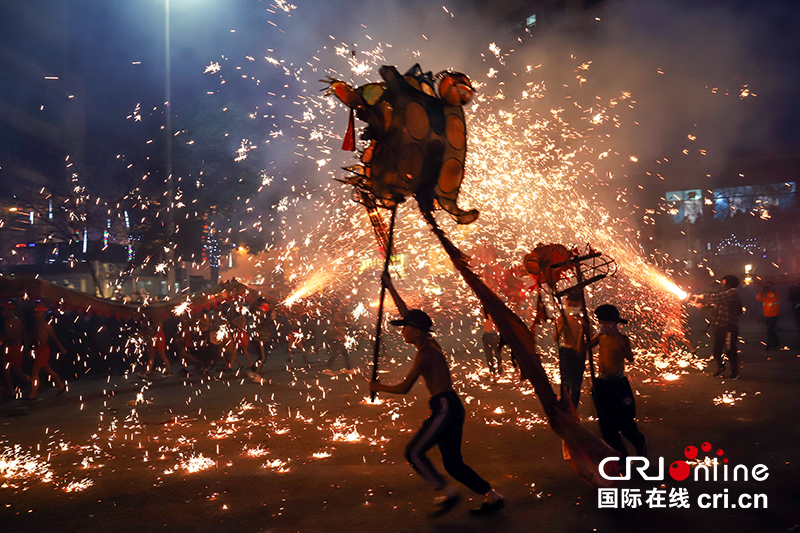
column 44, row 332
column 570, row 330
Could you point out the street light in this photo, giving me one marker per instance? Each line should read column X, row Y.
column 168, row 89
column 171, row 278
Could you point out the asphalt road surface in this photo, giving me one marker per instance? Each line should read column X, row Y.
column 296, row 449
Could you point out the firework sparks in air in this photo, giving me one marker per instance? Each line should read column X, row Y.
column 532, row 170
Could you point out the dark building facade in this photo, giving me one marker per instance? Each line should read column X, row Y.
column 744, row 220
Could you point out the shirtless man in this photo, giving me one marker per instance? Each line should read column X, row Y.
column 571, row 348
column 336, row 334
column 612, row 394
column 157, row 343
column 446, row 423
column 13, row 343
column 42, row 335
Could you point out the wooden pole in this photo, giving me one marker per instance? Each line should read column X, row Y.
column 587, row 335
column 378, row 327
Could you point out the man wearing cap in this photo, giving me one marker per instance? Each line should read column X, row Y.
column 612, row 394
column 42, row 334
column 445, row 425
column 13, row 343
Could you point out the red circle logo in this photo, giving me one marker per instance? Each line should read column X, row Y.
column 679, row 470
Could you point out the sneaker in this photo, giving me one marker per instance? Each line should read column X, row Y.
column 489, row 508
column 445, row 504
column 719, row 372
column 735, row 377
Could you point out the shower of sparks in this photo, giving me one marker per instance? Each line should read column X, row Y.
column 670, row 286
column 533, row 170
column 345, row 432
column 18, row 465
column 729, row 398
column 193, row 463
column 257, row 451
column 316, row 282
column 241, row 152
column 277, row 465
column 285, row 6
column 213, row 68
column 181, row 309
column 77, row 486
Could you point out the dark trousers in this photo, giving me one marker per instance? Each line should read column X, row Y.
column 207, row 353
column 493, row 349
column 336, row 349
column 616, row 411
column 725, row 339
column 572, row 365
column 772, row 331
column 444, row 429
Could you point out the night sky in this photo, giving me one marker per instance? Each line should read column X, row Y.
column 118, row 48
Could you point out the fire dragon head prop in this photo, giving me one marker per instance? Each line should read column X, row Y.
column 417, row 138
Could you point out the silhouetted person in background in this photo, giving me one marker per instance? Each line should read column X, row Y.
column 571, row 348
column 14, row 340
column 726, row 308
column 492, row 345
column 771, row 305
column 156, row 343
column 42, row 335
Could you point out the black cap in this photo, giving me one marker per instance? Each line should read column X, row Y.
column 609, row 313
column 416, row 319
column 730, row 281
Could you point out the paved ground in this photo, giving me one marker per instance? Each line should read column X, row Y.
column 306, row 452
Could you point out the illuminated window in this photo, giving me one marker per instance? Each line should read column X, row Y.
column 756, row 200
column 685, row 205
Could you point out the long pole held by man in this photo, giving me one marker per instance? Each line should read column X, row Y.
column 445, row 425
column 378, row 327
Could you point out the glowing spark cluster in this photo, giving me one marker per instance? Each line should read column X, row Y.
column 729, row 398
column 18, row 465
column 193, row 463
